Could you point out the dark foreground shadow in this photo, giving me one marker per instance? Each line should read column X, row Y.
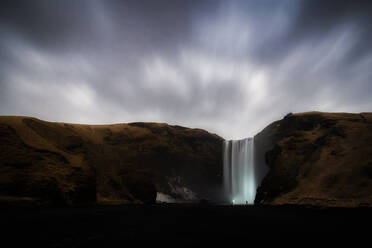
column 179, row 225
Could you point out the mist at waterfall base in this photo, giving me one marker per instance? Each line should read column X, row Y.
column 240, row 182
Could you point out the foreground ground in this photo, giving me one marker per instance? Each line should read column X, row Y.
column 182, row 224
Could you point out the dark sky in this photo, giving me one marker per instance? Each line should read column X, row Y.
column 230, row 67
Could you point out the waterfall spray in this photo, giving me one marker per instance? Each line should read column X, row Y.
column 238, row 170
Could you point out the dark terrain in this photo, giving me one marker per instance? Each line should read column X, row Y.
column 318, row 159
column 179, row 225
column 313, row 158
column 70, row 185
column 45, row 163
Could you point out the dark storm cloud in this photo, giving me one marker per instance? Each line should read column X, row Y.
column 49, row 24
column 69, row 24
column 313, row 20
column 227, row 66
column 317, row 18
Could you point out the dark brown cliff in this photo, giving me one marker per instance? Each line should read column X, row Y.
column 45, row 162
column 319, row 159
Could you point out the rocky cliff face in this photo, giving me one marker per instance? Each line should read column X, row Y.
column 43, row 162
column 321, row 159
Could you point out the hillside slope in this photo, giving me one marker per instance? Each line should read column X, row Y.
column 321, row 159
column 46, row 162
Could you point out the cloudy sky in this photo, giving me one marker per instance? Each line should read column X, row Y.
column 230, row 67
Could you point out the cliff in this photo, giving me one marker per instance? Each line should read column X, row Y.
column 318, row 159
column 58, row 163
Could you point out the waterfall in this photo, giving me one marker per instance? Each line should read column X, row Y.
column 238, row 171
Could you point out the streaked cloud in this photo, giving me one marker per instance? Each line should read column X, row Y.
column 230, row 67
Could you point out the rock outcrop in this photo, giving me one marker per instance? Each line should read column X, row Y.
column 318, row 159
column 58, row 163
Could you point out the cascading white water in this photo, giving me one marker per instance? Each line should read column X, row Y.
column 238, row 170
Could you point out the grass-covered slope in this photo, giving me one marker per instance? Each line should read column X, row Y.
column 314, row 158
column 47, row 162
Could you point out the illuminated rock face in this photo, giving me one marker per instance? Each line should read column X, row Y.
column 239, row 172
